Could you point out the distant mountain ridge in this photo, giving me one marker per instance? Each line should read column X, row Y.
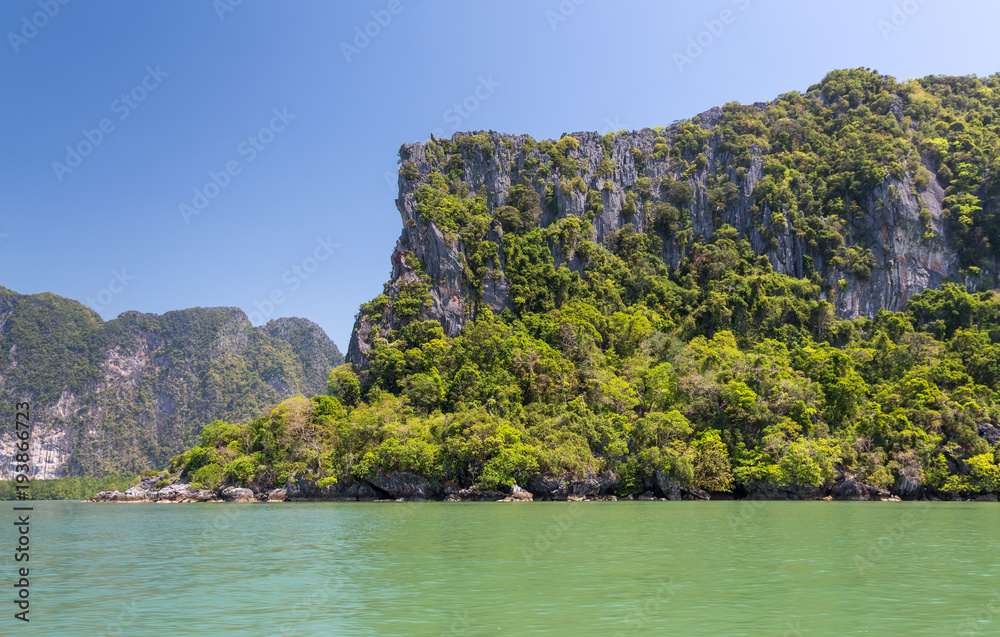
column 129, row 393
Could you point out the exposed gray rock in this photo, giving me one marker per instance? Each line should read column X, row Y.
column 889, row 224
column 548, row 487
column 277, row 495
column 344, row 490
column 908, row 485
column 766, row 491
column 878, row 493
column 169, row 493
column 118, row 496
column 454, row 493
column 237, row 494
column 669, row 488
column 409, row 486
column 850, row 488
column 694, row 493
column 563, row 487
column 517, row 494
column 990, row 431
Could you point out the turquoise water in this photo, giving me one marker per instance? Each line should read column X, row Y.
column 588, row 568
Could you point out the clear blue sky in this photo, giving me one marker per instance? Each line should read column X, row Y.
column 212, row 83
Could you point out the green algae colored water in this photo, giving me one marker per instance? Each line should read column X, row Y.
column 588, row 568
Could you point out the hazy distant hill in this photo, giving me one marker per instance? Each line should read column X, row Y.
column 129, row 393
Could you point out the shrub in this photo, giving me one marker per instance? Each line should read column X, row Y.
column 679, row 461
column 567, row 144
column 476, row 143
column 923, row 178
column 680, row 193
column 344, row 385
column 220, row 433
column 984, row 473
column 639, row 158
column 197, row 457
column 409, row 170
column 242, row 470
column 513, row 463
column 210, row 475
column 712, row 470
column 723, row 196
column 412, row 454
column 807, row 463
column 628, row 207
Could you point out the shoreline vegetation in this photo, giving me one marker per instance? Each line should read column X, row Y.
column 72, row 488
column 517, row 349
column 405, row 487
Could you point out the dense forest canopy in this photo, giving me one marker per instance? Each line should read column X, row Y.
column 714, row 370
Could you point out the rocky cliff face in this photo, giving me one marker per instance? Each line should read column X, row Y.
column 907, row 253
column 128, row 394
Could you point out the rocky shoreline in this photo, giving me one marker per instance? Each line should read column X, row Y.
column 403, row 487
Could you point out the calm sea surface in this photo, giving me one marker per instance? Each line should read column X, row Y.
column 616, row 568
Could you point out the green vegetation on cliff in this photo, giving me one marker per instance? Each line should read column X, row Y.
column 123, row 395
column 576, row 391
column 715, row 369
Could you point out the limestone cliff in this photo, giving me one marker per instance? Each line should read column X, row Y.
column 899, row 225
column 128, row 394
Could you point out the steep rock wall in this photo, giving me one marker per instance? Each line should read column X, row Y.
column 888, row 224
